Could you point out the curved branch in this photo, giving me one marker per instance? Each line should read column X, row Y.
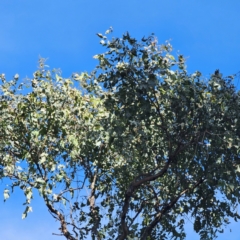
column 168, row 207
column 61, row 218
column 131, row 189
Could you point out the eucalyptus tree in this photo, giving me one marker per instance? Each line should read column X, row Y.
column 133, row 152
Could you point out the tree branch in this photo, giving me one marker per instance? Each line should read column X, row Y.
column 61, row 218
column 167, row 207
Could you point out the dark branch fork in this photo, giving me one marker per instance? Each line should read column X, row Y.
column 145, row 178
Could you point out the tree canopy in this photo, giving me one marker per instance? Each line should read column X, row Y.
column 131, row 150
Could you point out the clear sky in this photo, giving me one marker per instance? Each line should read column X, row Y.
column 64, row 31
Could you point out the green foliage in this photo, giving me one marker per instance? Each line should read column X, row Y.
column 136, row 150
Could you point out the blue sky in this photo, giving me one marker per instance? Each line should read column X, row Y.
column 206, row 32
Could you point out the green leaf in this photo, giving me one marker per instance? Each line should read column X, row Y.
column 27, row 210
column 100, row 35
column 6, row 194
